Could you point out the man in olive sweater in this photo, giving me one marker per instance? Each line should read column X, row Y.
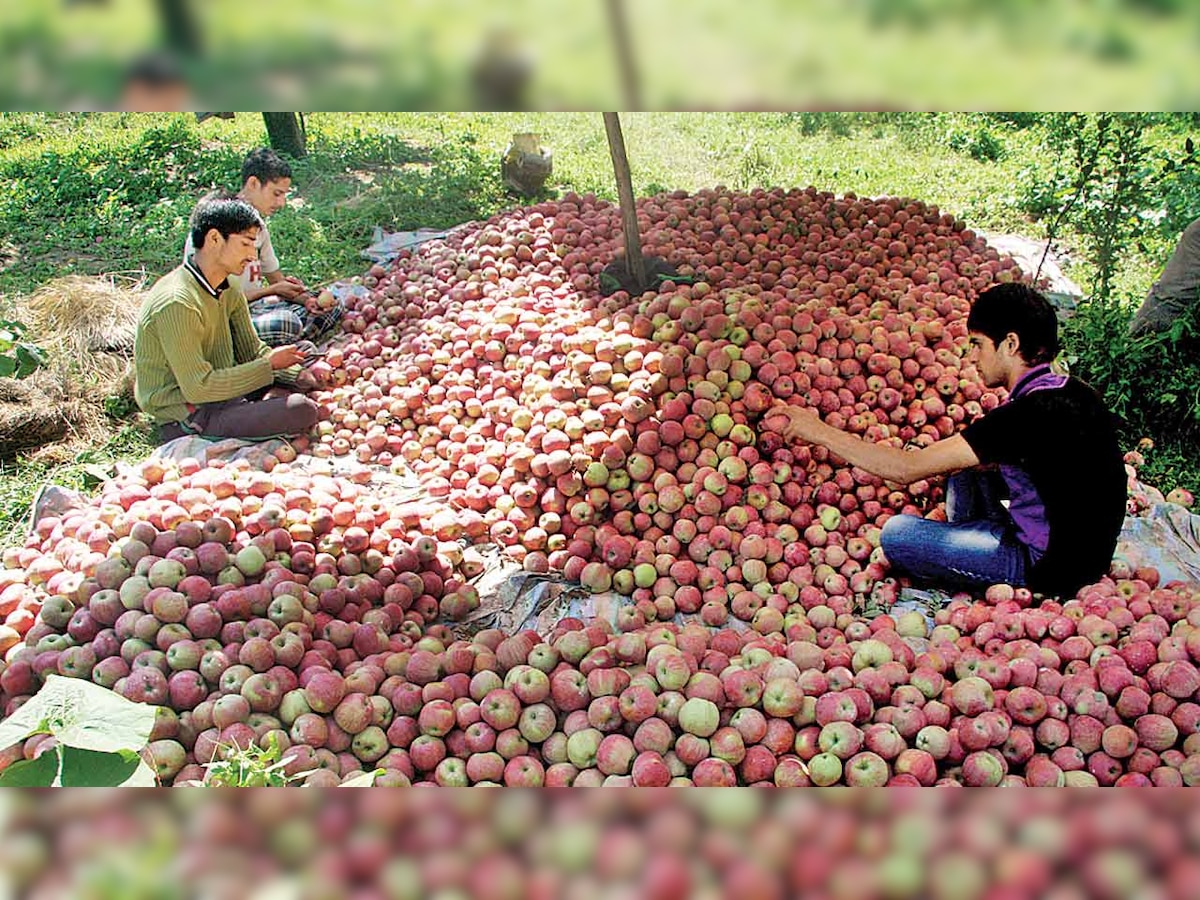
column 198, row 359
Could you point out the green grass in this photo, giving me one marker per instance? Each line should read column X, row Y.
column 111, row 192
column 20, row 480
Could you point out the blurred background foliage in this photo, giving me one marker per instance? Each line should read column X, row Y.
column 689, row 54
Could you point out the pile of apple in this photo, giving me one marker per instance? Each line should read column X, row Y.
column 242, row 639
column 621, row 441
column 334, row 516
column 218, row 623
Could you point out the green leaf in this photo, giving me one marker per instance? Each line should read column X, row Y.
column 143, row 776
column 29, row 358
column 8, row 366
column 82, row 715
column 96, row 474
column 93, row 768
column 38, row 772
column 362, row 779
column 608, row 283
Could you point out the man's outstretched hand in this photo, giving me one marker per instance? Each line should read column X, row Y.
column 290, row 288
column 286, row 356
column 793, row 422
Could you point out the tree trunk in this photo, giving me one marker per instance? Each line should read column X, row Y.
column 286, row 133
column 180, row 30
column 634, row 262
column 630, row 86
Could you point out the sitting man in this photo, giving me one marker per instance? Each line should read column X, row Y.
column 1060, row 466
column 197, row 358
column 280, row 307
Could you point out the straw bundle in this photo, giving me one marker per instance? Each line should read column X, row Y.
column 86, row 324
column 86, row 327
column 33, row 427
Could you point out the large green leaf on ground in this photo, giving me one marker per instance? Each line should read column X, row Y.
column 92, row 768
column 81, row 715
column 25, row 773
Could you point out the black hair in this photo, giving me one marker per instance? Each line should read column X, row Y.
column 266, row 165
column 1017, row 308
column 224, row 212
column 156, row 70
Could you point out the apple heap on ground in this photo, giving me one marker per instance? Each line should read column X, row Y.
column 342, row 661
column 621, row 442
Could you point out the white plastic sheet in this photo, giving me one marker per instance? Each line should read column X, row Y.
column 1165, row 537
column 1061, row 291
column 205, row 450
column 386, row 245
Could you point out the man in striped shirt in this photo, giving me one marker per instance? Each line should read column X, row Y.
column 200, row 365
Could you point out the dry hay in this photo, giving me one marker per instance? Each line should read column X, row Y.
column 30, row 428
column 87, row 323
column 51, row 414
column 42, row 411
column 86, row 326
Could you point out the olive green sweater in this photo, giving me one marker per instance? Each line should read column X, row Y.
column 195, row 344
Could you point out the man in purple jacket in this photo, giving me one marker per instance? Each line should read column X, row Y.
column 1049, row 517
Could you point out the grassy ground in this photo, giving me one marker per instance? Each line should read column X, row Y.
column 111, row 192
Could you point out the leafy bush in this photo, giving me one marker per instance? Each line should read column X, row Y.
column 250, row 767
column 128, row 200
column 1151, row 383
column 256, row 766
column 1118, row 190
column 1114, row 187
column 978, row 143
column 1018, row 119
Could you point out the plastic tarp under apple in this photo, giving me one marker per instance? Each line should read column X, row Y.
column 1165, row 537
column 205, row 450
column 386, row 245
column 513, row 600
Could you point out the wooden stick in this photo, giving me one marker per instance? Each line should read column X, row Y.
column 630, row 85
column 635, row 264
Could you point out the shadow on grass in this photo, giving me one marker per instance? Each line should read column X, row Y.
column 347, row 187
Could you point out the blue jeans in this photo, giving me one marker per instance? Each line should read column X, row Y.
column 977, row 547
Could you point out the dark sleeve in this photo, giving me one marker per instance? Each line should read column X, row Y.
column 1003, row 435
